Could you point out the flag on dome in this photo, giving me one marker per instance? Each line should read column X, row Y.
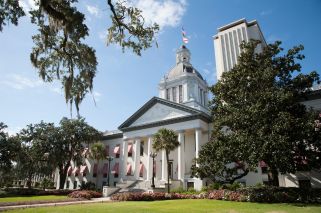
column 185, row 39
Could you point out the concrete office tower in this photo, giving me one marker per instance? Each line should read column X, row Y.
column 227, row 43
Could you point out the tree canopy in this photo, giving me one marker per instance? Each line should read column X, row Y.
column 59, row 51
column 258, row 115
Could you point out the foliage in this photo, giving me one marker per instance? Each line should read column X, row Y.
column 165, row 139
column 47, row 183
column 87, row 194
column 12, row 192
column 32, row 159
column 97, row 152
column 60, row 52
column 9, row 149
column 71, row 136
column 257, row 116
column 150, row 196
column 10, row 11
column 88, row 186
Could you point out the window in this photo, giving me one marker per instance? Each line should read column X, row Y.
column 304, row 184
column 130, row 150
column 264, row 170
column 190, row 185
column 75, row 184
column 180, row 93
column 174, row 94
column 67, row 184
column 201, row 96
column 142, row 148
column 168, row 94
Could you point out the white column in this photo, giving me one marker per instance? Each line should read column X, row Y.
column 124, row 158
column 137, row 157
column 198, row 133
column 163, row 165
column 149, row 163
column 180, row 156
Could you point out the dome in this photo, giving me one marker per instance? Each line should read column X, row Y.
column 182, row 69
column 183, row 64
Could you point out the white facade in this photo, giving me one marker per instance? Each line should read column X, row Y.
column 182, row 107
column 227, row 43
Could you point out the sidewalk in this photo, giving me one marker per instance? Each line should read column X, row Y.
column 93, row 200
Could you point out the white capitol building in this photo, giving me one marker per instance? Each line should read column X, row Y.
column 182, row 107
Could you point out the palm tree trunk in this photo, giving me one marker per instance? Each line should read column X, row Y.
column 168, row 171
column 97, row 175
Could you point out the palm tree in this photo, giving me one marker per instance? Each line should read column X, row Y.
column 97, row 152
column 165, row 139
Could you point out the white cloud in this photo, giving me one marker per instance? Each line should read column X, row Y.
column 165, row 13
column 19, row 82
column 28, row 5
column 93, row 10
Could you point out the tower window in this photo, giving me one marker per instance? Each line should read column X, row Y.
column 174, row 94
column 168, row 94
column 180, row 93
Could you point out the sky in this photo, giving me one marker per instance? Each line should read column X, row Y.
column 125, row 81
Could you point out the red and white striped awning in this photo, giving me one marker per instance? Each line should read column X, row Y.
column 117, row 150
column 76, row 171
column 141, row 169
column 263, row 164
column 83, row 169
column 130, row 148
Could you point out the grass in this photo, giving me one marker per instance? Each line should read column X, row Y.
column 32, row 198
column 186, row 206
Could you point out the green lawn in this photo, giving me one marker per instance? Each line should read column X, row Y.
column 186, row 206
column 32, row 198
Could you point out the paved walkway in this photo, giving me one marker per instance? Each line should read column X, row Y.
column 93, row 200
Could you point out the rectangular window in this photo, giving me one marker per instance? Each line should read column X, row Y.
column 67, row 184
column 168, row 94
column 142, row 148
column 174, row 94
column 180, row 94
column 201, row 96
column 75, row 184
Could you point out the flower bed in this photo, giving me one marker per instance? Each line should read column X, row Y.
column 251, row 194
column 86, row 194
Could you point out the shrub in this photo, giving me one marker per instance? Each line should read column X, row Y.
column 87, row 194
column 216, row 194
column 88, row 186
column 9, row 192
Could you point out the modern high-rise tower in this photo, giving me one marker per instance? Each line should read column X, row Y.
column 227, row 43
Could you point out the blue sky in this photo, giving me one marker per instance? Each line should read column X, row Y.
column 124, row 81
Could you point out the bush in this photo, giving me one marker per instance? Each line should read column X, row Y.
column 9, row 192
column 148, row 196
column 216, row 194
column 87, row 194
column 88, row 186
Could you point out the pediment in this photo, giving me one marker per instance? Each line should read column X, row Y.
column 158, row 110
